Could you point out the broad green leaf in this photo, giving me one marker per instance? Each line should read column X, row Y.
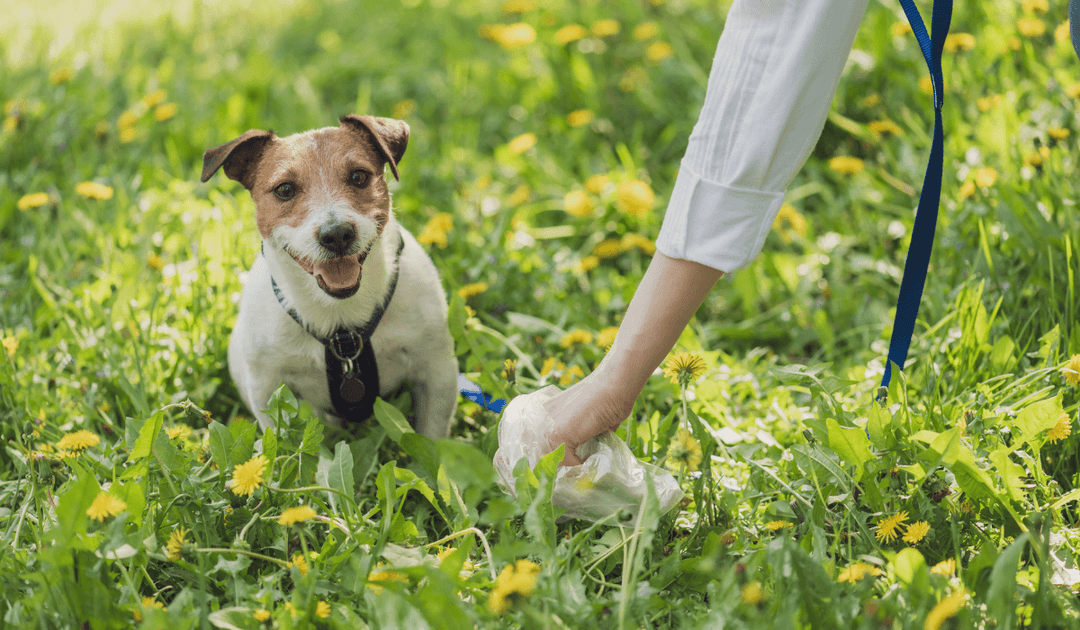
column 221, row 442
column 452, row 496
column 540, row 515
column 147, row 435
column 341, row 470
column 1011, row 473
column 851, row 445
column 1048, row 343
column 879, row 426
column 244, row 433
column 392, row 420
column 233, row 618
column 269, row 450
column 169, row 455
column 423, row 451
column 910, row 567
column 407, row 480
column 999, row 595
column 1035, row 419
column 73, row 502
column 945, row 448
column 973, row 480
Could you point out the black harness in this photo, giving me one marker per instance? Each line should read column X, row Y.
column 351, row 373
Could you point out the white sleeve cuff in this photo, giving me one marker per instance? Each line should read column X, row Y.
column 719, row 226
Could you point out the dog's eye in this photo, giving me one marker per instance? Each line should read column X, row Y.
column 285, row 191
column 359, row 178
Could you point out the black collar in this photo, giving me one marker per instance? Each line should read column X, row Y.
column 351, row 373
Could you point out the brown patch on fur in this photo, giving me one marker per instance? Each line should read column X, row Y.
column 318, row 164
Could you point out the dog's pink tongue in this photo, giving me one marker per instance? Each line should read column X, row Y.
column 339, row 273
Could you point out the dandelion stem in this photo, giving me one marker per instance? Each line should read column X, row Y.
column 483, row 541
column 250, row 554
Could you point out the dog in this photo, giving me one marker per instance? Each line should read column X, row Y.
column 342, row 304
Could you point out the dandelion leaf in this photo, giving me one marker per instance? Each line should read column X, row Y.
column 851, row 445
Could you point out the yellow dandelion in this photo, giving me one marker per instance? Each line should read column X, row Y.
column 586, row 264
column 104, row 506
column 857, row 571
column 646, row 30
column 578, row 336
column 11, row 344
column 516, row 582
column 436, row 229
column 773, row 526
column 1033, row 159
column 580, row 117
column 684, row 452
column 887, row 528
column 10, row 123
column 100, row 129
column 300, row 562
column 1035, row 6
column 127, row 119
column 78, row 440
column 522, row 143
column 322, row 609
column 261, row 615
column 382, row 575
column 635, row 197
column 177, row 540
column 633, row 240
column 60, row 75
column 847, row 165
column 945, row 568
column 606, row 337
column 155, row 262
column 33, row 200
column 1058, row 133
column 179, row 432
column 884, row 127
column 986, row 103
column 916, row 532
column 659, row 51
column 986, row 176
column 684, row 367
column 512, row 36
column 576, row 203
column 872, row 100
column 597, row 183
column 790, row 218
column 605, row 28
column 900, row 29
column 752, row 593
column 945, row 610
column 518, row 6
column 1062, row 32
column 550, row 364
column 1030, row 26
column 633, row 77
column 164, row 111
column 292, row 609
column 128, row 134
column 249, row 475
column 94, row 190
column 571, row 375
column 959, row 42
column 472, row 290
column 926, row 84
column 510, row 370
column 608, row 248
column 403, row 108
column 1061, row 430
column 147, row 603
column 519, row 196
column 154, row 98
column 295, row 515
column 570, row 33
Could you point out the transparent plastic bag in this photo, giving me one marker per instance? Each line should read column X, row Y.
column 610, row 478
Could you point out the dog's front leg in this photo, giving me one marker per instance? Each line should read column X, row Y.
column 435, row 397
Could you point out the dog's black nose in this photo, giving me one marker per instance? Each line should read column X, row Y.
column 338, row 237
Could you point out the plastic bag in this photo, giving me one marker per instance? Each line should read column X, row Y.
column 609, row 480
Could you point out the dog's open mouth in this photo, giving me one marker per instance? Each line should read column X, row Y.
column 338, row 277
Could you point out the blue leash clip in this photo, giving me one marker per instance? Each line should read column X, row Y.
column 473, row 392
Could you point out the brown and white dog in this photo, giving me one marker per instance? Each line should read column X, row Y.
column 334, row 258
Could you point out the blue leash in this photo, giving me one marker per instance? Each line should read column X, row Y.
column 922, row 235
column 473, row 392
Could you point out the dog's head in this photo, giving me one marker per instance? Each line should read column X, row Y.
column 320, row 195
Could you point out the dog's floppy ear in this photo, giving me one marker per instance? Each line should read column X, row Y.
column 391, row 136
column 239, row 157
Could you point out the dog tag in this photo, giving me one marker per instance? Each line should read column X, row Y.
column 352, row 389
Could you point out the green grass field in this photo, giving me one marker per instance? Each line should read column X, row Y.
column 135, row 490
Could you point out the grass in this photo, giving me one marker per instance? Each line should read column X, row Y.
column 952, row 505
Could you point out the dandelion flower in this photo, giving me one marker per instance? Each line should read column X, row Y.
column 300, row 562
column 1061, row 33
column 967, row 190
column 176, row 543
column 154, row 98
column 549, row 365
column 128, row 134
column 633, row 240
column 684, row 367
column 587, row 263
column 646, row 30
column 148, row 603
column 773, row 526
column 1061, row 430
column 178, row 432
column 155, row 262
column 945, row 568
column 1058, row 133
column 33, row 200
column 576, row 203
column 436, row 229
column 752, row 593
column 518, row 6
column 322, row 609
column 604, row 28
column 1035, row 6
column 382, row 575
column 78, row 440
column 847, row 165
column 597, row 183
column 249, row 475
column 295, row 515
column 104, row 506
column 857, row 571
column 608, row 248
column 887, row 528
column 945, row 610
column 1072, row 370
column 261, row 615
column 11, row 344
column 916, row 532
column 926, row 84
column 659, row 51
column 127, row 119
column 164, row 112
column 635, row 197
column 522, row 143
column 576, row 337
column 684, row 452
column 519, row 196
column 403, row 109
column 606, row 337
column 570, row 33
column 1031, row 27
column 572, row 375
column 472, row 290
column 986, row 176
column 795, row 222
column 94, row 190
column 884, row 127
column 516, row 582
column 580, row 117
column 959, row 42
column 900, row 29
column 60, row 75
column 513, row 36
column 510, row 370
column 986, row 103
